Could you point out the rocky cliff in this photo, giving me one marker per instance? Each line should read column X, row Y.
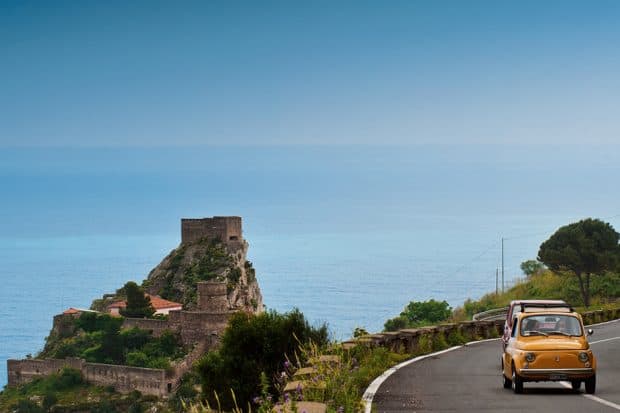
column 206, row 259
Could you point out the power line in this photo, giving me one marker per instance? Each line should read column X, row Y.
column 464, row 266
column 486, row 250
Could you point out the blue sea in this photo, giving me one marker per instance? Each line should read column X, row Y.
column 347, row 234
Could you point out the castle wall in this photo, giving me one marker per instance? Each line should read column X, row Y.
column 22, row 371
column 224, row 228
column 156, row 326
column 196, row 326
column 125, row 379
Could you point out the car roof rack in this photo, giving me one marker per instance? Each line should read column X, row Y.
column 545, row 306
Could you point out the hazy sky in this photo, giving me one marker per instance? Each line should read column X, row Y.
column 212, row 72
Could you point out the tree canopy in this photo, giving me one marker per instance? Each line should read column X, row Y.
column 587, row 247
column 531, row 267
column 138, row 303
column 419, row 313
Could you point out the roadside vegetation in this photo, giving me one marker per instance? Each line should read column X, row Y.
column 546, row 284
column 253, row 345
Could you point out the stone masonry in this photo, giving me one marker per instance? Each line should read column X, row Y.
column 225, row 229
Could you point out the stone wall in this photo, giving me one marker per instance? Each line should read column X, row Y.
column 124, row 379
column 224, row 228
column 212, row 297
column 22, row 371
column 196, row 326
column 157, row 327
column 193, row 326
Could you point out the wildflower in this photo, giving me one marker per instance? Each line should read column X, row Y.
column 257, row 400
column 287, row 364
column 340, row 409
column 286, row 397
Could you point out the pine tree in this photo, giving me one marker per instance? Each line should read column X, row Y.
column 138, row 304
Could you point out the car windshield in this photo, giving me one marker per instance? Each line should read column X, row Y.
column 550, row 324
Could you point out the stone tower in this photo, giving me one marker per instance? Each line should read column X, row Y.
column 226, row 229
column 212, row 297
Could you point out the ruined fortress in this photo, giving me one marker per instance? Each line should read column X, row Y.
column 225, row 229
column 200, row 329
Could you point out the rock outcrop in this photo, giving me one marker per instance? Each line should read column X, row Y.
column 207, row 259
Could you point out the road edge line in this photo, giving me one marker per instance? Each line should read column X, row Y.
column 593, row 398
column 369, row 394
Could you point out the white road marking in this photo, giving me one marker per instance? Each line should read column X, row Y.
column 607, row 339
column 594, row 398
column 369, row 394
column 604, row 322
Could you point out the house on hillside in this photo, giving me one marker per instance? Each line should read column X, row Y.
column 76, row 312
column 160, row 305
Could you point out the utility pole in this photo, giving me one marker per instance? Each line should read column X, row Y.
column 502, row 265
column 496, row 280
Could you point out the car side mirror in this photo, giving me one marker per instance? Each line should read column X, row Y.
column 590, row 331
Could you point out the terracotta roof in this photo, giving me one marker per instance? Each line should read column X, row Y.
column 77, row 311
column 157, row 302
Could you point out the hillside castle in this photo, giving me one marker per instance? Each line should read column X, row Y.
column 199, row 329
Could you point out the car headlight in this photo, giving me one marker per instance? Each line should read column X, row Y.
column 583, row 357
column 529, row 357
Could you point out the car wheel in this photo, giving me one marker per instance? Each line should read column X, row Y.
column 506, row 380
column 591, row 385
column 517, row 382
column 575, row 384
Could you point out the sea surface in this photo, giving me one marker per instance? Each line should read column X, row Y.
column 349, row 235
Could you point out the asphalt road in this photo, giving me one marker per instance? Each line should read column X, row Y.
column 468, row 379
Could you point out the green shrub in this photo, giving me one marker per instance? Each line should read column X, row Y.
column 27, row 406
column 250, row 345
column 67, row 378
column 417, row 314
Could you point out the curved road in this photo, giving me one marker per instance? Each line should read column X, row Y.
column 468, row 379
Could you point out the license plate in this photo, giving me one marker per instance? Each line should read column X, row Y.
column 557, row 377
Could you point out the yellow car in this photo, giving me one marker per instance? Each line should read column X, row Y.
column 548, row 345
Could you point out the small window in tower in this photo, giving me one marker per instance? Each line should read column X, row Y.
column 233, row 238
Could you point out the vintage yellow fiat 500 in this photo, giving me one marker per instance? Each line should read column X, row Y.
column 548, row 345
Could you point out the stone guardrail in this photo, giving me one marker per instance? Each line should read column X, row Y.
column 494, row 314
column 416, row 341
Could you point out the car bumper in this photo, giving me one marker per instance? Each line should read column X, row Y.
column 556, row 374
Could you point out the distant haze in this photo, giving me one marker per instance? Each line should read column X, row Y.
column 260, row 73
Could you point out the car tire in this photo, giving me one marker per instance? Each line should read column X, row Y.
column 506, row 381
column 517, row 382
column 576, row 385
column 591, row 385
